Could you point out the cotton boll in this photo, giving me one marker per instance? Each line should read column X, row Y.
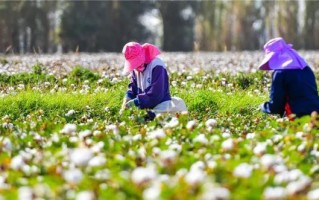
column 73, row 175
column 81, row 156
column 243, row 170
column 142, row 175
column 269, row 160
column 302, row 147
column 103, row 175
column 6, row 144
column 275, row 193
column 201, row 138
column 300, row 135
column 191, row 125
column 226, row 134
column 298, row 186
column 260, row 149
column 175, row 147
column 70, row 113
column 17, row 162
column 85, row 195
column 156, row 134
column 195, row 177
column 172, row 123
column 84, row 134
column 250, row 136
column 216, row 193
column 313, row 194
column 199, row 165
column 152, row 193
column 97, row 147
column 97, row 161
column 228, row 145
column 210, row 123
column 113, row 128
column 25, row 193
column 168, row 158
column 68, row 129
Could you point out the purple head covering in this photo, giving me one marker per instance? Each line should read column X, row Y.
column 280, row 55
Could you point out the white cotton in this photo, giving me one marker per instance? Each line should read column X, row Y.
column 156, row 134
column 137, row 137
column 81, row 156
column 70, row 113
column 85, row 195
column 211, row 164
column 210, row 123
column 288, row 176
column 113, row 128
column 300, row 135
column 274, row 193
column 85, row 133
column 68, row 129
column 25, row 193
column 6, row 145
column 302, row 147
column 260, row 148
column 195, row 177
column 313, row 194
column 277, row 138
column 175, row 147
column 152, row 193
column 191, row 124
column 199, row 165
column 201, row 138
column 73, row 175
column 97, row 133
column 216, row 193
column 102, row 174
column 142, row 175
column 17, row 162
column 228, row 145
column 168, row 157
column 226, row 134
column 243, row 170
column 250, row 136
column 269, row 160
column 298, row 186
column 98, row 147
column 97, row 161
column 172, row 123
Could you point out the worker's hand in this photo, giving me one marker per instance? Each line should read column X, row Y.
column 125, row 100
column 130, row 103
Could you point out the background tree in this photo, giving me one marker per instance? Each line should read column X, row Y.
column 311, row 36
column 102, row 25
column 178, row 24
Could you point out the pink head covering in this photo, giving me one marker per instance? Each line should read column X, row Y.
column 136, row 54
column 280, row 55
column 151, row 51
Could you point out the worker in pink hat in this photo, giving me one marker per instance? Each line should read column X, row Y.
column 149, row 86
column 293, row 91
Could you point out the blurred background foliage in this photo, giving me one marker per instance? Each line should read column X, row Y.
column 40, row 26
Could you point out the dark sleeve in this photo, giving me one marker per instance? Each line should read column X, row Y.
column 154, row 94
column 132, row 87
column 276, row 105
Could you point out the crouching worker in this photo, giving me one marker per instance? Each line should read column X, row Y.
column 149, row 86
column 293, row 91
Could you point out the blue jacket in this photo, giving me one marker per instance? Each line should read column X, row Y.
column 156, row 93
column 293, row 88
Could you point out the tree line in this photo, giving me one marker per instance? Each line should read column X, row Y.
column 105, row 26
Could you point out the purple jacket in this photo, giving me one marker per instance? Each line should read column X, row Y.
column 150, row 87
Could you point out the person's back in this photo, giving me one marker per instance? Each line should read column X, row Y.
column 293, row 89
column 300, row 90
